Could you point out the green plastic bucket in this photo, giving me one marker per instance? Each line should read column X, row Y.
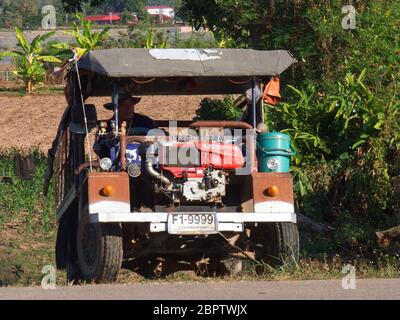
column 274, row 150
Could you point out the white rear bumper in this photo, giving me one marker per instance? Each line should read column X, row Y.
column 159, row 220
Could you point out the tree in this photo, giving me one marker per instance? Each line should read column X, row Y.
column 243, row 20
column 76, row 5
column 172, row 3
column 106, row 5
column 29, row 59
column 311, row 30
column 136, row 6
column 72, row 6
column 21, row 13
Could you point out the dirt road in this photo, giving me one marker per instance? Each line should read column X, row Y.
column 262, row 290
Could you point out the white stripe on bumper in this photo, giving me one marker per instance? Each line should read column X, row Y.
column 274, row 207
column 109, row 207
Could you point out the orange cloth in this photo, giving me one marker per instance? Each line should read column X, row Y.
column 272, row 92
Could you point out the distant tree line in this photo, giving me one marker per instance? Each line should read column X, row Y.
column 115, row 5
column 27, row 14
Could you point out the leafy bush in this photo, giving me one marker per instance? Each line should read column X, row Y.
column 140, row 35
column 27, row 222
column 333, row 124
column 214, row 109
column 18, row 195
column 144, row 35
column 196, row 40
column 345, row 141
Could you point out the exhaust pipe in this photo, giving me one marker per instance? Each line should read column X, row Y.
column 155, row 174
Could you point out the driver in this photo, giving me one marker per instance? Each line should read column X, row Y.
column 126, row 112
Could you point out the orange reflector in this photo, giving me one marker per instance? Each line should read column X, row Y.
column 108, row 191
column 273, row 191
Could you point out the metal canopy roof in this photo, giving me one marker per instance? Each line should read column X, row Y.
column 156, row 63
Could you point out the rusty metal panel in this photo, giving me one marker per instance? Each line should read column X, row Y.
column 255, row 197
column 118, row 201
column 262, row 180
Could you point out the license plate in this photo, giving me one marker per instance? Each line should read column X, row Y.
column 192, row 223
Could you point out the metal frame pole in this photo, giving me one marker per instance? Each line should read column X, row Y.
column 254, row 102
column 115, row 98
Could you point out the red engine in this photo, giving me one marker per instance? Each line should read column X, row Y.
column 190, row 159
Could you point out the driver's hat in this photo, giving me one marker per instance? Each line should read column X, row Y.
column 122, row 95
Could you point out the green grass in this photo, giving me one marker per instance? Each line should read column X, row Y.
column 322, row 268
column 27, row 227
column 19, row 91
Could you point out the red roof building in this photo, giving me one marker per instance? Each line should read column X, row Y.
column 104, row 19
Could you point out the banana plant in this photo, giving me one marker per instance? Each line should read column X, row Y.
column 155, row 40
column 86, row 39
column 29, row 59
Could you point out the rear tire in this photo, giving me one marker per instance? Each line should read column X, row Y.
column 100, row 251
column 66, row 256
column 72, row 266
column 277, row 244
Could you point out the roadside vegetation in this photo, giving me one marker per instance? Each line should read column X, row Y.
column 27, row 226
column 341, row 106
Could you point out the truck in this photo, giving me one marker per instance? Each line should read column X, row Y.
column 208, row 195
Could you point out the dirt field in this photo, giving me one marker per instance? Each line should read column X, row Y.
column 32, row 121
